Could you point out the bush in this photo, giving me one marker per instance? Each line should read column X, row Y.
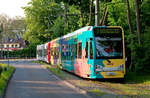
column 1, row 70
column 4, row 77
column 30, row 51
column 141, row 54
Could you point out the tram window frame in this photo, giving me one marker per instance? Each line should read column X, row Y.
column 91, row 49
column 80, row 50
column 86, row 50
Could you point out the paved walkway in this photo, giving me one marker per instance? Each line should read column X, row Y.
column 32, row 81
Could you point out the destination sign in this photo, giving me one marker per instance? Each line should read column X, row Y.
column 107, row 31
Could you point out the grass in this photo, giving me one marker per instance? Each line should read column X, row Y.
column 97, row 92
column 40, row 62
column 82, row 84
column 140, row 83
column 4, row 75
column 55, row 70
column 132, row 77
column 135, row 84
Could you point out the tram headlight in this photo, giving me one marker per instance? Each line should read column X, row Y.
column 121, row 67
column 99, row 68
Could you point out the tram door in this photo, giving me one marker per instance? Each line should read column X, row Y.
column 86, row 57
column 90, row 56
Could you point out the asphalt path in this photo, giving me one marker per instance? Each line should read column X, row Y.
column 30, row 80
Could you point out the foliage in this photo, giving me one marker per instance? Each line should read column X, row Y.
column 115, row 11
column 47, row 20
column 28, row 52
column 58, row 28
column 117, row 16
column 141, row 54
column 40, row 16
column 4, row 75
column 13, row 27
column 82, row 5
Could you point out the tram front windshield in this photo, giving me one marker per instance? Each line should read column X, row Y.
column 108, row 43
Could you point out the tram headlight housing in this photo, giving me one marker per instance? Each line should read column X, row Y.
column 121, row 67
column 99, row 68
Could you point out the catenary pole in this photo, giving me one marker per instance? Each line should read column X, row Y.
column 97, row 13
column 1, row 24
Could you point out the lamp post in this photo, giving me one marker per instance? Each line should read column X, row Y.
column 8, row 55
column 97, row 13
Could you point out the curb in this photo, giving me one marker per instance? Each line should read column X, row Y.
column 7, row 82
column 79, row 90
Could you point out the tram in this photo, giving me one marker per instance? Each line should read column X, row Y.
column 90, row 52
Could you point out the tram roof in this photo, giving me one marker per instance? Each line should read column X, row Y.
column 87, row 28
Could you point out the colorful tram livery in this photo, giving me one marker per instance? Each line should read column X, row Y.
column 90, row 52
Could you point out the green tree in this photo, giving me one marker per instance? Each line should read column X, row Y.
column 40, row 17
column 83, row 6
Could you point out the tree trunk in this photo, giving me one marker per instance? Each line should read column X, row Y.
column 131, row 32
column 138, row 21
column 104, row 17
column 82, row 17
column 129, row 18
column 65, row 14
column 90, row 14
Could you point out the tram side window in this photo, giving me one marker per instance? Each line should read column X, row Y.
column 57, row 53
column 86, row 50
column 72, row 52
column 69, row 52
column 66, row 52
column 76, row 50
column 91, row 50
column 52, row 51
column 40, row 53
column 45, row 52
column 80, row 50
column 64, row 56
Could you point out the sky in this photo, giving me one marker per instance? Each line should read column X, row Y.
column 13, row 7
